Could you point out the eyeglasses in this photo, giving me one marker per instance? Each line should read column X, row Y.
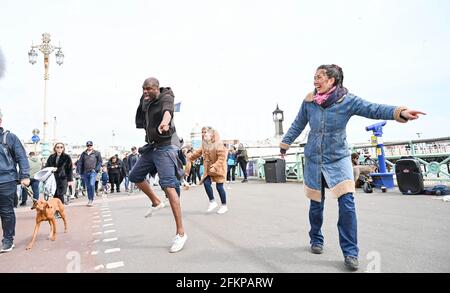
column 89, row 145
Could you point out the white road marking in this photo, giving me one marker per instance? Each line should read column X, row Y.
column 96, row 240
column 114, row 265
column 111, row 250
column 97, row 233
column 108, row 225
column 94, row 252
column 109, row 231
column 107, row 220
column 110, row 239
column 99, row 267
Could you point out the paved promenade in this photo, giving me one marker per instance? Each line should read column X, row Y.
column 265, row 230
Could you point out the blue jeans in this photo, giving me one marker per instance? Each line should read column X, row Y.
column 7, row 194
column 162, row 160
column 89, row 180
column 34, row 184
column 127, row 182
column 347, row 224
column 219, row 187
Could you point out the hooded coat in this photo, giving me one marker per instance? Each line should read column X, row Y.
column 214, row 159
column 151, row 117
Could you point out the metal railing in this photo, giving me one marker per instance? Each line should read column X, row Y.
column 433, row 155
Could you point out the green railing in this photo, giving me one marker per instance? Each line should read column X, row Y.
column 433, row 154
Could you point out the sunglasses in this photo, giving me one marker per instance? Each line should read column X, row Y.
column 89, row 145
column 59, row 147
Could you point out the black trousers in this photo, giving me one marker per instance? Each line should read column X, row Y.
column 61, row 189
column 114, row 179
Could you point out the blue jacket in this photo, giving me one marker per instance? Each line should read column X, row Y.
column 326, row 151
column 8, row 167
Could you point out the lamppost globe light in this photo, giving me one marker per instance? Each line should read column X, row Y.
column 32, row 56
column 59, row 57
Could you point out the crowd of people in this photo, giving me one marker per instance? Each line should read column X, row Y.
column 328, row 164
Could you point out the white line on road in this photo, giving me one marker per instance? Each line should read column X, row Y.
column 107, row 215
column 94, row 252
column 97, row 221
column 99, row 267
column 109, row 231
column 111, row 250
column 95, row 217
column 110, row 239
column 108, row 225
column 114, row 265
column 96, row 240
column 97, row 233
column 107, row 220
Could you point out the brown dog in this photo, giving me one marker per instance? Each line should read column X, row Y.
column 45, row 211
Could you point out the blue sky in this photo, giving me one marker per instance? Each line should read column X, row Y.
column 228, row 62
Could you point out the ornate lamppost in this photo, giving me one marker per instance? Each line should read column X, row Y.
column 46, row 48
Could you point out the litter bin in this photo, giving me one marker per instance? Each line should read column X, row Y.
column 275, row 170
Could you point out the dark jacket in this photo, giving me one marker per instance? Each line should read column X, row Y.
column 132, row 159
column 125, row 171
column 114, row 168
column 151, row 119
column 8, row 162
column 80, row 162
column 64, row 167
column 241, row 155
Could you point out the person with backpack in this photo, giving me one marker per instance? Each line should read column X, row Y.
column 12, row 153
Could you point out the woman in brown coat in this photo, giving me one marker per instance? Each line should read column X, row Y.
column 215, row 165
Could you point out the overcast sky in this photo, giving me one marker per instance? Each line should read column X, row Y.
column 228, row 62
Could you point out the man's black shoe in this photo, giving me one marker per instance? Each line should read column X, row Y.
column 351, row 263
column 317, row 248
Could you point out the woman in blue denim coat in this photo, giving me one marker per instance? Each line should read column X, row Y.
column 328, row 163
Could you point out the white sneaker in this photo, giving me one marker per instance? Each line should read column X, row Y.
column 178, row 243
column 72, row 197
column 222, row 210
column 212, row 206
column 150, row 210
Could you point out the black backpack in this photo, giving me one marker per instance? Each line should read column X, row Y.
column 6, row 149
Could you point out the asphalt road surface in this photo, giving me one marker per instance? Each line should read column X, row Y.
column 265, row 230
